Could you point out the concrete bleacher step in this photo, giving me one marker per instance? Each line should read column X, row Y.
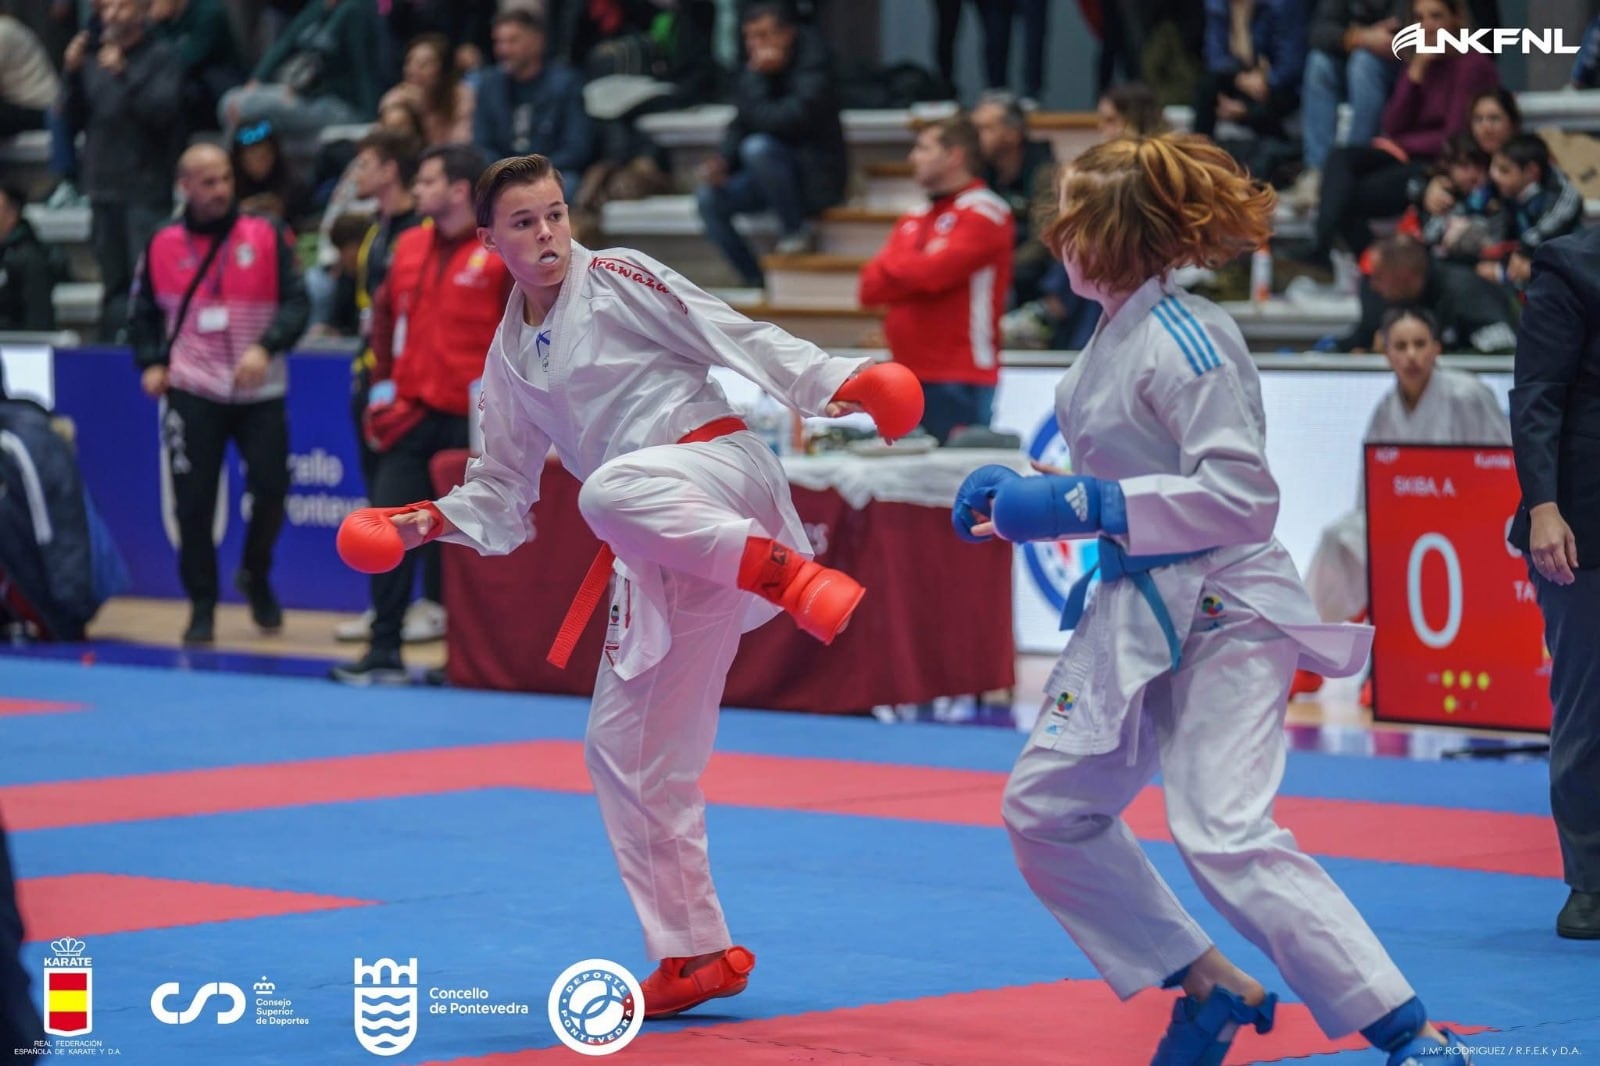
column 818, row 281
column 827, row 327
column 25, row 159
column 77, row 305
column 854, row 230
column 889, row 186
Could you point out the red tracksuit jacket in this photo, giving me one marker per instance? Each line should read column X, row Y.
column 943, row 275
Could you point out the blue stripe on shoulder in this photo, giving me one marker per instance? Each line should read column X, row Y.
column 1183, row 342
column 1199, row 331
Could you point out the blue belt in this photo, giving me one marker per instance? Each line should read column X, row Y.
column 1115, row 564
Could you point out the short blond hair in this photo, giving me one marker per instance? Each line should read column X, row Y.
column 1138, row 207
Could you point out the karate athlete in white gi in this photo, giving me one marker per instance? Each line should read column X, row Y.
column 1429, row 405
column 1182, row 661
column 606, row 356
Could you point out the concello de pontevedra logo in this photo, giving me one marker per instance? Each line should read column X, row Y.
column 386, row 1005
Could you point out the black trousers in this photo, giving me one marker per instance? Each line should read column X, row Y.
column 20, row 1026
column 1571, row 620
column 361, row 386
column 1360, row 183
column 403, row 478
column 195, row 433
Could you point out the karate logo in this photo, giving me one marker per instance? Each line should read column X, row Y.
column 1211, row 605
column 596, row 1007
column 1054, row 566
column 386, row 1005
column 68, row 989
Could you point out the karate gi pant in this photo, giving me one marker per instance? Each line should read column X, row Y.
column 1215, row 730
column 689, row 509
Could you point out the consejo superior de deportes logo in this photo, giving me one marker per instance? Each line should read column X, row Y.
column 596, row 1007
column 1490, row 41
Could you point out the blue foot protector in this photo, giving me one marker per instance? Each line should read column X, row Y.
column 1201, row 1033
column 1423, row 1051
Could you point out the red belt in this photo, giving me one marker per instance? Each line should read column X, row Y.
column 594, row 582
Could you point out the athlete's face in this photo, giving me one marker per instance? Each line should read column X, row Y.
column 532, row 232
column 1412, row 350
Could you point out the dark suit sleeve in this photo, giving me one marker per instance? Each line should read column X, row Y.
column 147, row 324
column 791, row 114
column 1550, row 348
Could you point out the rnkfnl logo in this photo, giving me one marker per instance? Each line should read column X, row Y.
column 1490, row 41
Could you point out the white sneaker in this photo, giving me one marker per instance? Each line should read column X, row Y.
column 425, row 621
column 1306, row 192
column 802, row 241
column 357, row 630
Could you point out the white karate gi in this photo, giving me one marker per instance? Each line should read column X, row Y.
column 1166, row 400
column 615, row 375
column 1454, row 408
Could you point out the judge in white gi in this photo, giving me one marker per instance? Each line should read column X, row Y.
column 606, row 356
column 1183, row 659
column 1429, row 405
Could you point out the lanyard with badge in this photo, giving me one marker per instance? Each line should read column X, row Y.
column 209, row 321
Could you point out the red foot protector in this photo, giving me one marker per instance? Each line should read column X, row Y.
column 670, row 991
column 369, row 543
column 891, row 394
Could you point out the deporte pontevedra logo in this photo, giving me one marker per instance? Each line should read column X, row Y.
column 1490, row 41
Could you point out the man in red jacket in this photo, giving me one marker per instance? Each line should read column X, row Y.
column 432, row 320
column 943, row 275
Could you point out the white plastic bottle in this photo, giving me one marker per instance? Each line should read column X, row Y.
column 1261, row 276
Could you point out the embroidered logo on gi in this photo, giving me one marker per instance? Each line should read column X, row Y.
column 623, row 268
column 541, row 344
column 1078, row 500
column 1064, row 704
column 1211, row 606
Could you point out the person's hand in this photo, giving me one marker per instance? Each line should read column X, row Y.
column 111, row 58
column 154, row 381
column 417, row 527
column 1520, row 269
column 1438, row 198
column 1551, row 544
column 252, row 369
column 1230, row 109
column 1379, row 37
column 714, row 171
column 1253, row 83
column 1417, row 64
column 1489, row 270
column 77, row 49
column 768, row 60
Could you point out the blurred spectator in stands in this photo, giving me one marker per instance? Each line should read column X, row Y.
column 466, row 24
column 334, row 313
column 433, row 318
column 199, row 32
column 1022, row 172
column 946, row 28
column 1540, row 203
column 1456, row 212
column 28, row 82
column 531, row 103
column 1474, row 315
column 63, row 132
column 998, row 16
column 123, row 96
column 1362, row 182
column 1494, row 117
column 1586, row 68
column 321, row 71
column 27, row 269
column 784, row 151
column 434, row 87
column 220, row 302
column 262, row 178
column 1255, row 59
column 943, row 275
column 1130, row 110
column 1350, row 60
